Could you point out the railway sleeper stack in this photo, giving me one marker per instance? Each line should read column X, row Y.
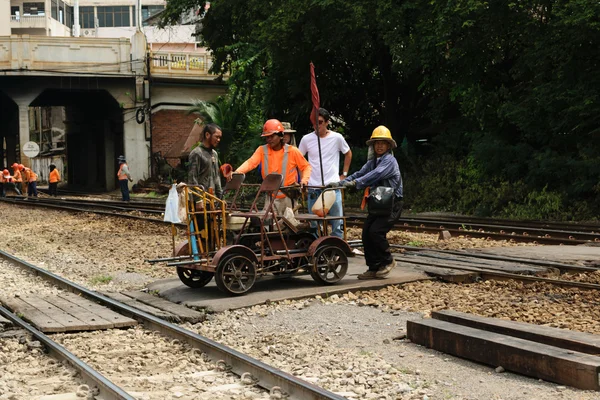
column 552, row 354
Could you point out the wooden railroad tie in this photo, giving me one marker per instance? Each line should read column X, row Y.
column 65, row 312
column 552, row 354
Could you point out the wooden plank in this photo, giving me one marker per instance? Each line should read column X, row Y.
column 41, row 320
column 185, row 313
column 445, row 274
column 538, row 360
column 502, row 266
column 143, row 307
column 118, row 320
column 94, row 321
column 4, row 321
column 68, row 321
column 564, row 338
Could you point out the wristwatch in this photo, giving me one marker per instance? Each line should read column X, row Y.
column 345, row 173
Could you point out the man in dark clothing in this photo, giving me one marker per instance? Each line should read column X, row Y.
column 381, row 169
column 204, row 161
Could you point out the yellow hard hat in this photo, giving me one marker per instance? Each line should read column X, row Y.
column 382, row 133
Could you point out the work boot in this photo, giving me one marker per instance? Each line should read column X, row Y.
column 367, row 275
column 385, row 271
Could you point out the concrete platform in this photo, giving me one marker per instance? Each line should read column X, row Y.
column 269, row 289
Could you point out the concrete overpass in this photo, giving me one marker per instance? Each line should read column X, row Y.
column 103, row 85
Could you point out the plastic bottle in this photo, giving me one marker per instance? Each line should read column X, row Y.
column 321, row 209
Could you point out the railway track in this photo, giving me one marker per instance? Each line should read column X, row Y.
column 471, row 263
column 105, row 388
column 251, row 371
column 516, row 231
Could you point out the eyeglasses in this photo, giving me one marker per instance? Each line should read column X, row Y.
column 321, row 122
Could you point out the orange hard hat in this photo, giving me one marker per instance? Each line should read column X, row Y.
column 272, row 126
column 5, row 172
column 21, row 167
column 15, row 165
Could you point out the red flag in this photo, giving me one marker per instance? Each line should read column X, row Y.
column 315, row 96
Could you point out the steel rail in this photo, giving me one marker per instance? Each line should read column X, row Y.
column 493, row 235
column 484, row 272
column 232, row 360
column 579, row 227
column 108, row 390
column 471, row 227
column 67, row 208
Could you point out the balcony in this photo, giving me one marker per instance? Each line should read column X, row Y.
column 45, row 55
column 27, row 21
column 181, row 64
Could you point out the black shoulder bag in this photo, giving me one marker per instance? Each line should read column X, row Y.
column 381, row 201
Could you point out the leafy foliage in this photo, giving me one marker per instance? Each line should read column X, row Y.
column 506, row 94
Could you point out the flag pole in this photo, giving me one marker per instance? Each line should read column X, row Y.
column 315, row 102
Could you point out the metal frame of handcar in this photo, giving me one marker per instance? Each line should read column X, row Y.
column 266, row 244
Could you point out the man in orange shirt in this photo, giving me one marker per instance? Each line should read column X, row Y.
column 53, row 179
column 17, row 178
column 31, row 178
column 278, row 158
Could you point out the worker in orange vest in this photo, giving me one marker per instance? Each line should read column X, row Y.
column 278, row 158
column 4, row 179
column 31, row 178
column 8, row 182
column 123, row 175
column 17, row 177
column 23, row 180
column 53, row 180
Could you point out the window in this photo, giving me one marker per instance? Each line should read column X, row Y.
column 33, row 9
column 148, row 11
column 61, row 12
column 113, row 16
column 54, row 9
column 15, row 13
column 69, row 20
column 86, row 17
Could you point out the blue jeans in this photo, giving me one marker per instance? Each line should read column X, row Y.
column 124, row 189
column 32, row 189
column 335, row 211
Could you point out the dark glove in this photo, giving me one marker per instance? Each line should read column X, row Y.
column 349, row 184
column 335, row 184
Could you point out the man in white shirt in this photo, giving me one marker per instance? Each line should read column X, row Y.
column 332, row 144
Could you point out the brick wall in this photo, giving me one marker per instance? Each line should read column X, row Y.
column 168, row 127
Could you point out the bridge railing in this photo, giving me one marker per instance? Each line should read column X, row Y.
column 182, row 64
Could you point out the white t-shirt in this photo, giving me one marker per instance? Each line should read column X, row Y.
column 331, row 146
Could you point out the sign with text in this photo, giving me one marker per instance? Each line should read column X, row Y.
column 31, row 149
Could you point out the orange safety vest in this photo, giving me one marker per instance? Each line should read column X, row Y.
column 17, row 176
column 54, row 176
column 120, row 174
column 31, row 176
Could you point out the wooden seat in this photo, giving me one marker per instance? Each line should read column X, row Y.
column 234, row 185
column 313, row 217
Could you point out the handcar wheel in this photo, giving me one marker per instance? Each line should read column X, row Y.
column 194, row 278
column 191, row 277
column 235, row 275
column 330, row 265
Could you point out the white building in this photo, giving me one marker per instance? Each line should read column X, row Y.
column 43, row 76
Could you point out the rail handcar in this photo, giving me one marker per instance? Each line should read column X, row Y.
column 261, row 242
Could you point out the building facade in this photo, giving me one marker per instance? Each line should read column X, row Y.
column 90, row 80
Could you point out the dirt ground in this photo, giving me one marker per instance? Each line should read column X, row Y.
column 107, row 253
